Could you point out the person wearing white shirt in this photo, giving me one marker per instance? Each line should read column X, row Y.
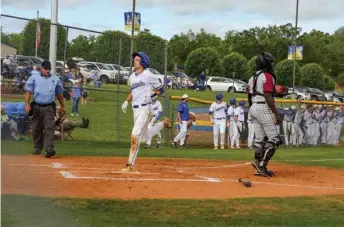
column 231, row 123
column 239, row 118
column 296, row 132
column 143, row 82
column 152, row 127
column 218, row 118
column 250, row 126
column 339, row 118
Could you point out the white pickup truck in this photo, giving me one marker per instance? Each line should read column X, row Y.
column 106, row 73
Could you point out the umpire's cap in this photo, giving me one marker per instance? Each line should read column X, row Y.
column 46, row 65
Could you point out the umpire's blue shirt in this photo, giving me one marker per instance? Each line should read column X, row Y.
column 183, row 108
column 44, row 88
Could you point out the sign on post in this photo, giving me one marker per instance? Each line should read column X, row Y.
column 295, row 52
column 128, row 19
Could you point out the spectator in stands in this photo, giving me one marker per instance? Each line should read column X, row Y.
column 202, row 79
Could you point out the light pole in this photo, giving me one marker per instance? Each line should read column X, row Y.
column 294, row 43
column 132, row 35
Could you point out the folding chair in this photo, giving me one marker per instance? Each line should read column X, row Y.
column 66, row 131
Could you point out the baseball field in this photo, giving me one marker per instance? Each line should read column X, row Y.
column 83, row 186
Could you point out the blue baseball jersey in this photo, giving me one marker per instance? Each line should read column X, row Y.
column 44, row 88
column 183, row 108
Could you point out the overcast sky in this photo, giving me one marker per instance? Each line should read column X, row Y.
column 168, row 17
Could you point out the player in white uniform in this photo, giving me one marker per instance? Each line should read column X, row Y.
column 330, row 126
column 152, row 127
column 316, row 127
column 263, row 111
column 239, row 118
column 143, row 82
column 231, row 123
column 218, row 118
column 308, row 119
column 339, row 118
column 296, row 132
column 250, row 137
column 287, row 123
column 323, row 124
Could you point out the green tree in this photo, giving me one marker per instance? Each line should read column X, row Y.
column 14, row 40
column 340, row 79
column 251, row 65
column 334, row 55
column 312, row 75
column 29, row 40
column 284, row 73
column 82, row 46
column 202, row 59
column 106, row 48
column 154, row 46
column 329, row 83
column 237, row 63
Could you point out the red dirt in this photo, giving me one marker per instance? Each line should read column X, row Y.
column 160, row 178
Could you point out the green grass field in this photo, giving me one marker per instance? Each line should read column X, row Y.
column 99, row 140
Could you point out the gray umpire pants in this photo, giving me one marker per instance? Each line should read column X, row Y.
column 43, row 124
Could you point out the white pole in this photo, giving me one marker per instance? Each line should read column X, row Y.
column 53, row 35
column 36, row 33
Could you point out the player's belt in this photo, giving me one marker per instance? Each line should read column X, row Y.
column 259, row 102
column 137, row 106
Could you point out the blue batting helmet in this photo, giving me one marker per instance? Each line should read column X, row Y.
column 232, row 101
column 144, row 59
column 242, row 103
column 219, row 96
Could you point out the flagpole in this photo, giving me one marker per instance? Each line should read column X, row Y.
column 36, row 34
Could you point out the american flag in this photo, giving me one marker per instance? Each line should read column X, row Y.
column 38, row 35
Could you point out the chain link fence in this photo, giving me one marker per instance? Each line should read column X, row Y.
column 102, row 58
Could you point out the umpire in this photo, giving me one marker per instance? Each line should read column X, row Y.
column 43, row 86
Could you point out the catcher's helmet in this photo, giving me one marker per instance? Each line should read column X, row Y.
column 232, row 101
column 264, row 61
column 242, row 103
column 144, row 59
column 219, row 96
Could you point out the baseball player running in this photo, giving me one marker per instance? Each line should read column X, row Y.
column 218, row 118
column 261, row 93
column 152, row 127
column 239, row 120
column 231, row 123
column 183, row 118
column 142, row 83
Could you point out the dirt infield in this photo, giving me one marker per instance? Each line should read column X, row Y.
column 100, row 177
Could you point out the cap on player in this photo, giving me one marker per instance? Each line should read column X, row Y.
column 185, row 96
column 293, row 107
column 337, row 108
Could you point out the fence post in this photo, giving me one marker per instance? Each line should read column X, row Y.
column 117, row 92
column 166, row 97
column 172, row 122
column 65, row 51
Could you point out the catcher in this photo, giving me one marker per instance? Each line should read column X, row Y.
column 62, row 120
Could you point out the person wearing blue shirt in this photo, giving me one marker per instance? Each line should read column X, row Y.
column 76, row 98
column 183, row 118
column 44, row 87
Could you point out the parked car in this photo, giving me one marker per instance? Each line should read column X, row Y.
column 225, row 84
column 316, row 94
column 106, row 73
column 123, row 75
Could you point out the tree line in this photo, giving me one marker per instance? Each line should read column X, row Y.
column 322, row 62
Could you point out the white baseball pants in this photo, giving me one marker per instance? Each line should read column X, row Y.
column 154, row 129
column 330, row 133
column 250, row 138
column 182, row 133
column 236, row 133
column 316, row 132
column 219, row 126
column 323, row 127
column 141, row 118
column 287, row 125
column 338, row 128
column 232, row 126
column 296, row 134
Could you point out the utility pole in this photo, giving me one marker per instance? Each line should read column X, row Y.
column 37, row 24
column 53, row 35
column 294, row 43
column 132, row 35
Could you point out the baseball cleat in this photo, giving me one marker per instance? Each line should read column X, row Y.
column 174, row 143
column 158, row 145
column 222, row 147
column 215, row 147
column 269, row 172
column 259, row 170
column 128, row 168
